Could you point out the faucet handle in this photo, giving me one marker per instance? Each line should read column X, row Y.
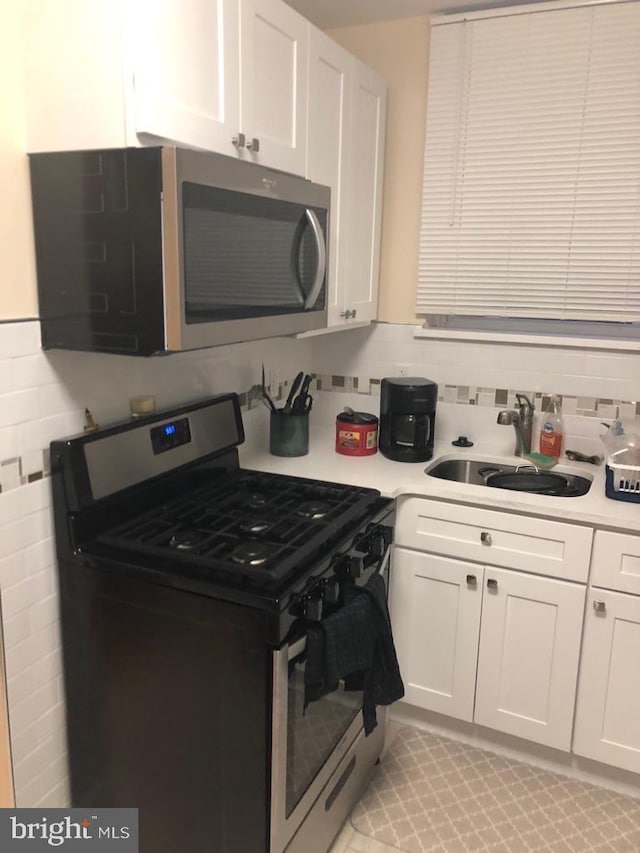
column 521, row 397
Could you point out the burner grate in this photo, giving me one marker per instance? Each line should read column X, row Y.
column 284, row 519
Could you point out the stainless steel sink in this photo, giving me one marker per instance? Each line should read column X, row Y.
column 519, row 478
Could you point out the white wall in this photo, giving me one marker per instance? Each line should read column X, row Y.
column 17, row 260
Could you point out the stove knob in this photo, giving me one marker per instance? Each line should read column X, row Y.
column 387, row 534
column 313, row 610
column 376, row 545
column 362, row 544
column 356, row 565
column 331, row 591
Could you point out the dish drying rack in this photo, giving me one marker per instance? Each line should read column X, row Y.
column 623, row 481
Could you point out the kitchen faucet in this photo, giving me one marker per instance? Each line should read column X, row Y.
column 521, row 418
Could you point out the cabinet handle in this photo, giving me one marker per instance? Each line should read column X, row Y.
column 472, row 580
column 485, row 538
column 492, row 583
column 348, row 314
column 353, row 313
column 254, row 145
column 240, row 140
column 599, row 606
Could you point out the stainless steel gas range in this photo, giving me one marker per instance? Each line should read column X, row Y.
column 188, row 590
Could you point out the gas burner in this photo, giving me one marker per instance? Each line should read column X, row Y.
column 252, row 554
column 256, row 499
column 255, row 524
column 313, row 509
column 186, row 540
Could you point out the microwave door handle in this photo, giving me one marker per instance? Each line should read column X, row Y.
column 316, row 229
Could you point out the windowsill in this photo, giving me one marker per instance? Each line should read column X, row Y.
column 528, row 339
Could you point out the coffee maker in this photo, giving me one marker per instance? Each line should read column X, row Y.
column 407, row 418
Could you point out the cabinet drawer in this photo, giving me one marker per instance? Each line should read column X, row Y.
column 495, row 538
column 616, row 562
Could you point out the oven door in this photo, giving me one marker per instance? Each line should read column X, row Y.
column 307, row 746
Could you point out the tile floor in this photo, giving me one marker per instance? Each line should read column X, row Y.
column 436, row 795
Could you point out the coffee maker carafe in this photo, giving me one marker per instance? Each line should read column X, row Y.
column 407, row 418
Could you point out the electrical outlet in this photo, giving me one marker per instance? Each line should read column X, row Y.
column 403, row 369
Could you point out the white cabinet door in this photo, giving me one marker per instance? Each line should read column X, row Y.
column 366, row 169
column 186, row 71
column 274, row 42
column 528, row 659
column 608, row 710
column 435, row 612
column 330, row 80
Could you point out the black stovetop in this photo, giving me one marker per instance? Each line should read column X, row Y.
column 246, row 524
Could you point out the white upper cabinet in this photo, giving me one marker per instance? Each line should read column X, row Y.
column 330, row 75
column 274, row 43
column 186, row 70
column 366, row 167
column 226, row 75
column 221, row 75
column 347, row 109
column 73, row 75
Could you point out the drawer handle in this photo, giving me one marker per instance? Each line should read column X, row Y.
column 492, row 583
column 485, row 538
column 599, row 606
column 472, row 580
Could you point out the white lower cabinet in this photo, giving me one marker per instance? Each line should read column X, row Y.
column 490, row 637
column 608, row 710
column 490, row 646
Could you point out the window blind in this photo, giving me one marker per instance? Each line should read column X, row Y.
column 531, row 194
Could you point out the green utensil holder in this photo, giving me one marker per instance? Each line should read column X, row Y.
column 289, row 434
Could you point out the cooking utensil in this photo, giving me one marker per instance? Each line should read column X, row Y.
column 576, row 456
column 300, row 402
column 292, row 393
column 265, row 394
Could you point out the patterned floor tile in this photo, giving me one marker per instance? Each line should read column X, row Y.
column 435, row 795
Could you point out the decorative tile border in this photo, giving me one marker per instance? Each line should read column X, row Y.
column 499, row 398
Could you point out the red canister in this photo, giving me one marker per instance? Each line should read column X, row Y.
column 356, row 433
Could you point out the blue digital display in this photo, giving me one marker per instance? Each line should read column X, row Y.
column 166, row 437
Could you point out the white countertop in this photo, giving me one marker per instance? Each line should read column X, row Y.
column 401, row 478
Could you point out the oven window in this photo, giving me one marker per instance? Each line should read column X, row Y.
column 312, row 736
column 246, row 256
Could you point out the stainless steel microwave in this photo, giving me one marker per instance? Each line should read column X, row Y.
column 150, row 250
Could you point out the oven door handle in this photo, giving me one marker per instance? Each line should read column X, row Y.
column 296, row 649
column 384, row 562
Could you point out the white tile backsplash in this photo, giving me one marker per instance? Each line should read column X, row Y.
column 43, row 395
column 590, row 373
